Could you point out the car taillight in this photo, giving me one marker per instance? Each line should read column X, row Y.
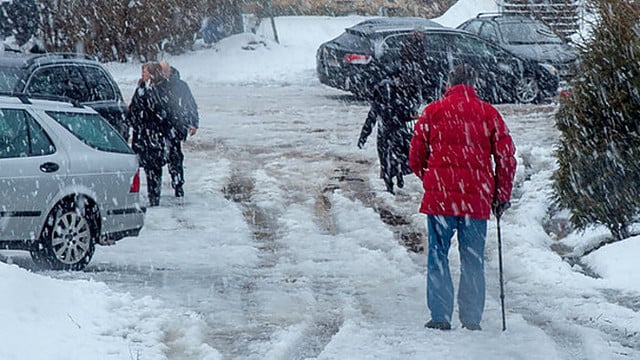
column 135, row 183
column 357, row 59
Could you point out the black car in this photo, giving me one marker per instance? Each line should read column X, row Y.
column 74, row 76
column 364, row 53
column 351, row 62
column 527, row 38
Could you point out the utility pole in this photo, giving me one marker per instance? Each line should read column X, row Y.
column 273, row 21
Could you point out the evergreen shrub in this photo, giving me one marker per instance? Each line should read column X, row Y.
column 598, row 155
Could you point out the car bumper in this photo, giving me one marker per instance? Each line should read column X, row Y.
column 121, row 223
column 352, row 78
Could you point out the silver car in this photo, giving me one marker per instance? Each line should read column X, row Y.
column 68, row 181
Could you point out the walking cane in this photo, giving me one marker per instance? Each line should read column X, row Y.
column 504, row 322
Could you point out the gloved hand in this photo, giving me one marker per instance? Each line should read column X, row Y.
column 499, row 207
column 361, row 142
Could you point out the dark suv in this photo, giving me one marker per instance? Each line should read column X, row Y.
column 526, row 37
column 75, row 76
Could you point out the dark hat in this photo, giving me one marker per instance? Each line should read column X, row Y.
column 463, row 74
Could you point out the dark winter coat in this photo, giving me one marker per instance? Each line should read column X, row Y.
column 393, row 108
column 462, row 151
column 182, row 111
column 147, row 121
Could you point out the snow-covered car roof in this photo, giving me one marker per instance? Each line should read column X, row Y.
column 393, row 24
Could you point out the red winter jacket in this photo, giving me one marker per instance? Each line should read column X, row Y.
column 456, row 143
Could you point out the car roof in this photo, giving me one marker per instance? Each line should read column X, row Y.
column 41, row 101
column 24, row 60
column 382, row 24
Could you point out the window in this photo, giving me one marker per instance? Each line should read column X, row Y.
column 21, row 135
column 93, row 130
column 100, row 88
column 464, row 45
column 519, row 33
column 473, row 26
column 436, row 43
column 394, row 43
column 391, row 47
column 62, row 80
column 353, row 40
column 9, row 78
column 489, row 32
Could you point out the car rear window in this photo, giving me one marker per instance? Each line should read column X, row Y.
column 353, row 41
column 9, row 77
column 93, row 130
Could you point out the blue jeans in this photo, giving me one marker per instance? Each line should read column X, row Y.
column 472, row 234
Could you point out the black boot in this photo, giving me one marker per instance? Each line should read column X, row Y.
column 439, row 325
column 154, row 201
column 472, row 327
column 389, row 184
column 390, row 189
column 179, row 191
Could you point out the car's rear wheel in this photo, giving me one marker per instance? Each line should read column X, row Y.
column 527, row 90
column 68, row 239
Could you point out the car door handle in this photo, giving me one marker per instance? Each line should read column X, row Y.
column 49, row 167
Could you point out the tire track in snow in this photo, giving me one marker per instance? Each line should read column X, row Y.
column 351, row 177
column 325, row 318
column 317, row 330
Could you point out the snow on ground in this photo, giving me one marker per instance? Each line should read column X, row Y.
column 46, row 318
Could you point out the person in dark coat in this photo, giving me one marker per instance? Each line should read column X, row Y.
column 394, row 106
column 182, row 121
column 147, row 118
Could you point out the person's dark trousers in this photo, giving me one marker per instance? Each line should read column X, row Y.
column 472, row 235
column 176, row 168
column 154, row 184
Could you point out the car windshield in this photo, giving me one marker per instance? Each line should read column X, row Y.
column 9, row 77
column 528, row 33
column 93, row 130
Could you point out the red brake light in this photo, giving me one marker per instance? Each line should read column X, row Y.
column 357, row 59
column 135, row 183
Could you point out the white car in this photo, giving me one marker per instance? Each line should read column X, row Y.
column 68, row 181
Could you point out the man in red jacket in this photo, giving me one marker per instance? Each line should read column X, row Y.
column 462, row 151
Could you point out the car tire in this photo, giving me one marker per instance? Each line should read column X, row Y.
column 527, row 90
column 68, row 239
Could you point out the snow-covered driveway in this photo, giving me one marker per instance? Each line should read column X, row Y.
column 287, row 247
